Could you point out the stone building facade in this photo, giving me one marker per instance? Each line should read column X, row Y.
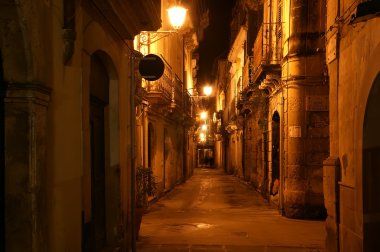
column 166, row 122
column 66, row 120
column 351, row 173
column 276, row 102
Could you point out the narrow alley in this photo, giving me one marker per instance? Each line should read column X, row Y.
column 217, row 212
column 189, row 125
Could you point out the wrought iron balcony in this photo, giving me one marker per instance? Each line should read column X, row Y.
column 187, row 104
column 160, row 92
column 177, row 93
column 247, row 72
column 267, row 50
column 169, row 91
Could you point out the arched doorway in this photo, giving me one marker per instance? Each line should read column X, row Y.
column 371, row 169
column 104, row 153
column 275, row 179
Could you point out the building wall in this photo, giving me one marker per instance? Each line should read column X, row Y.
column 47, row 72
column 172, row 120
column 305, row 123
column 352, row 58
column 284, row 157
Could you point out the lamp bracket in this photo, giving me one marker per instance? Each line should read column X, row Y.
column 150, row 37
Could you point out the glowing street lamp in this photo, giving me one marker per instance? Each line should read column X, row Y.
column 204, row 115
column 202, row 137
column 204, row 127
column 207, row 90
column 177, row 16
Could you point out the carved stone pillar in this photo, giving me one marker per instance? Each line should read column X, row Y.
column 306, row 111
column 25, row 166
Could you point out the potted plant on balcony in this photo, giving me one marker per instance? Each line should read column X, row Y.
column 145, row 186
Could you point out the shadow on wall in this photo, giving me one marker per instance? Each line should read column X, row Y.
column 371, row 171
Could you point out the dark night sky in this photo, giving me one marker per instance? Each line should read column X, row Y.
column 216, row 37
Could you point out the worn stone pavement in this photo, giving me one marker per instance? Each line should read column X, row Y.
column 217, row 212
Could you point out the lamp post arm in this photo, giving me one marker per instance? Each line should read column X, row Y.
column 150, row 37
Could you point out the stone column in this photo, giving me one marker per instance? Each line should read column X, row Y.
column 306, row 110
column 295, row 175
column 25, row 167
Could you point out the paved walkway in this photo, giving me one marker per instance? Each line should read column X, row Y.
column 216, row 212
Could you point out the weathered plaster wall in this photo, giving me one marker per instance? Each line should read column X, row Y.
column 352, row 56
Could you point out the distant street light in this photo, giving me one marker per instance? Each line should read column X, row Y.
column 204, row 127
column 207, row 90
column 204, row 115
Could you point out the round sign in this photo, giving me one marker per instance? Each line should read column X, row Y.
column 151, row 67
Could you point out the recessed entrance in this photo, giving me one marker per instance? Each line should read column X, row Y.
column 104, row 156
column 99, row 87
column 205, row 157
column 274, row 189
column 371, row 169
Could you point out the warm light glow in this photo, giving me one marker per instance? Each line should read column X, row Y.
column 204, row 127
column 203, row 115
column 177, row 16
column 207, row 90
column 202, row 137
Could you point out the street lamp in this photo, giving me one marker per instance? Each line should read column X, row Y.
column 204, row 115
column 177, row 17
column 207, row 90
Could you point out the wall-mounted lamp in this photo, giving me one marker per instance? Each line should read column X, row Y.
column 177, row 17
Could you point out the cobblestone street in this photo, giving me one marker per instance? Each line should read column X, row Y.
column 217, row 212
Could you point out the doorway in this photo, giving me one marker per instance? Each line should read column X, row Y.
column 275, row 180
column 371, row 169
column 205, row 157
column 99, row 86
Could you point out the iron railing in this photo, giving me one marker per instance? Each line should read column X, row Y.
column 164, row 85
column 247, row 72
column 177, row 91
column 267, row 49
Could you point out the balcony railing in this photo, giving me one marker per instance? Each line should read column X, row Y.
column 161, row 90
column 187, row 105
column 247, row 72
column 267, row 50
column 178, row 92
column 169, row 90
